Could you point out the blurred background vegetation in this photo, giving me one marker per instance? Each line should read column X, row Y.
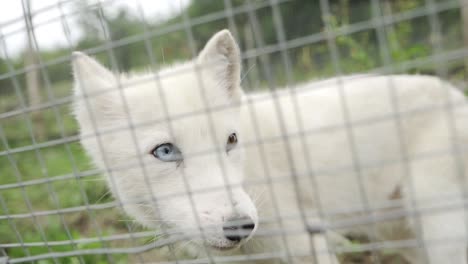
column 41, row 142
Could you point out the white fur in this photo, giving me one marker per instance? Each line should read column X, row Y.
column 357, row 144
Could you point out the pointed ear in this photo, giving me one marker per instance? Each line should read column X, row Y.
column 89, row 74
column 221, row 56
column 93, row 89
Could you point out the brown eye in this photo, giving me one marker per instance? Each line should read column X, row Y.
column 231, row 142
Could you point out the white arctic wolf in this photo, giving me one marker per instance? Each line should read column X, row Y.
column 187, row 151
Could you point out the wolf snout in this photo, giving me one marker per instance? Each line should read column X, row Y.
column 237, row 229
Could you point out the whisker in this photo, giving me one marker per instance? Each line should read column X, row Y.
column 153, row 239
column 183, row 245
column 247, row 72
column 102, row 197
column 258, row 198
column 162, row 53
column 150, row 220
column 93, row 180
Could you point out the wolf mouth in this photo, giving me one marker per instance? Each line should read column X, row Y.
column 224, row 248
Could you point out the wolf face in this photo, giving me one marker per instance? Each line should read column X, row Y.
column 170, row 142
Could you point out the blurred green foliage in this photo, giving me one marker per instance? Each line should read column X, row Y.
column 170, row 41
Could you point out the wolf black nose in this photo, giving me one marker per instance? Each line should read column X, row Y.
column 236, row 229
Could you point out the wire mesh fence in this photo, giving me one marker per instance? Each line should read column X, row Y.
column 61, row 203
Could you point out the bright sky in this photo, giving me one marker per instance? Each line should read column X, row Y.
column 49, row 26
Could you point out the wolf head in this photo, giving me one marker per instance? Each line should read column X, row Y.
column 170, row 142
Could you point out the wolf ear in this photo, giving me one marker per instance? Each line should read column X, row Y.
column 89, row 74
column 92, row 89
column 221, row 56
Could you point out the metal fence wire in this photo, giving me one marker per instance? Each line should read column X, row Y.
column 155, row 185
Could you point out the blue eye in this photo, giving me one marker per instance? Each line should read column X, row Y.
column 167, row 152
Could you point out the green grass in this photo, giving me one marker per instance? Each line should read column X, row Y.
column 49, row 162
